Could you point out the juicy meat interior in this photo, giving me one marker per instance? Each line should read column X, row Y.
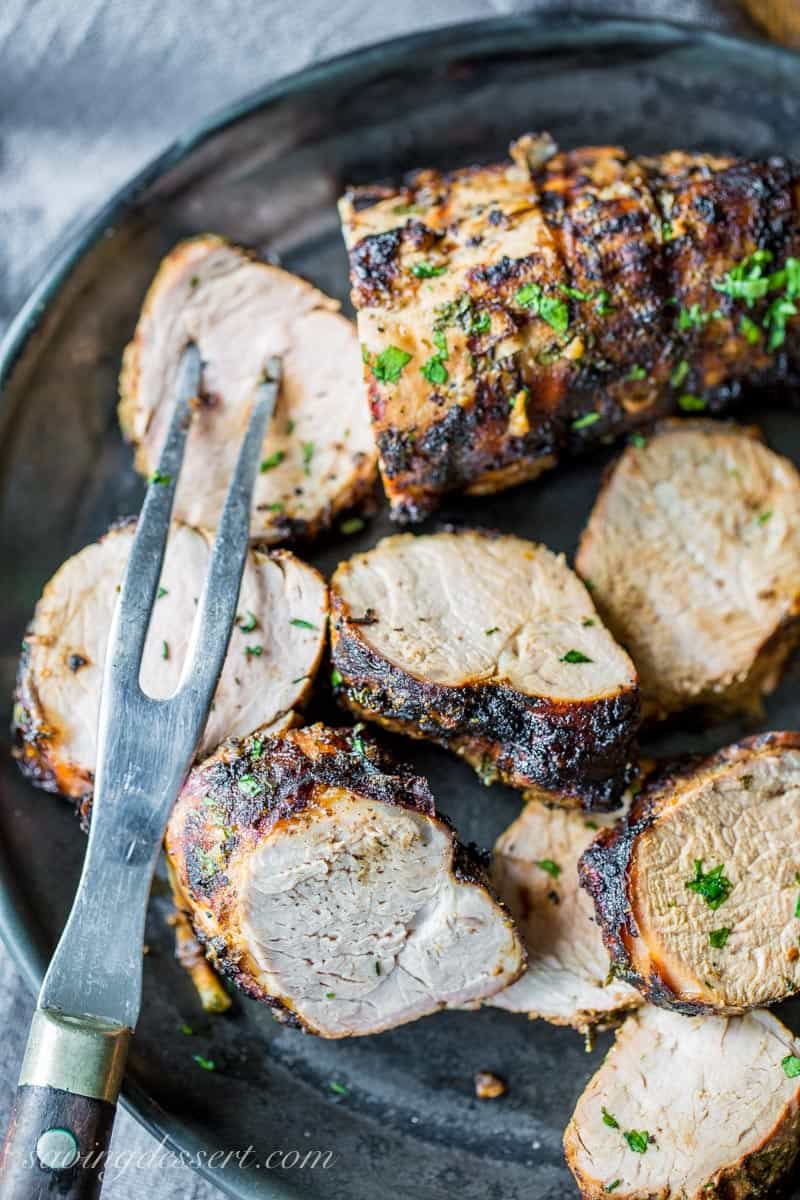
column 693, row 553
column 324, row 883
column 514, row 313
column 318, row 457
column 535, row 872
column 492, row 646
column 691, row 1108
column 273, row 655
column 697, row 890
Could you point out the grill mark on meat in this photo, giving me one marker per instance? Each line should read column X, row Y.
column 654, row 233
column 725, row 807
column 521, row 715
column 320, row 821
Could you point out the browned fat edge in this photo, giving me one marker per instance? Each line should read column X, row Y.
column 586, row 748
column 605, row 867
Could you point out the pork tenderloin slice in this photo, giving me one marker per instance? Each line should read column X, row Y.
column 319, row 455
column 710, row 1111
column 323, row 882
column 266, row 677
column 693, row 554
column 535, row 872
column 696, row 891
column 491, row 646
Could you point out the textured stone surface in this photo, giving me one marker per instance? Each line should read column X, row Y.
column 90, row 90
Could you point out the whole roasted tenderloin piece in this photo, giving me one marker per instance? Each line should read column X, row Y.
column 490, row 646
column 692, row 553
column 266, row 679
column 697, row 890
column 704, row 1108
column 514, row 314
column 322, row 881
column 319, row 455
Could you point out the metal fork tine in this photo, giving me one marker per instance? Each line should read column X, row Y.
column 132, row 616
column 218, row 603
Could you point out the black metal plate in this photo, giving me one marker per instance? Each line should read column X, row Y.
column 269, row 174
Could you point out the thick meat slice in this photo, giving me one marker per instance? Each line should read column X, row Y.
column 702, row 1109
column 323, row 882
column 319, row 455
column 515, row 313
column 535, row 871
column 698, row 889
column 692, row 553
column 488, row 645
column 272, row 658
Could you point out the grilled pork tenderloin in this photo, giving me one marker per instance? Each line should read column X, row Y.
column 692, row 552
column 516, row 313
column 699, row 1109
column 491, row 646
column 271, row 662
column 319, row 456
column 323, row 882
column 696, row 890
column 535, row 872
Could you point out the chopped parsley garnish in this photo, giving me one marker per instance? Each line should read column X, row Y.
column 575, row 656
column 339, row 1088
column 275, row 507
column 691, row 403
column 160, row 477
column 481, row 322
column 718, row 937
column 388, row 366
column 494, row 629
column 434, row 370
column 547, row 864
column 586, row 420
column 254, row 651
column 440, row 342
column 364, row 354
column 638, row 440
column 713, row 886
column 750, row 330
column 330, row 995
column 775, row 320
column 791, row 1066
column 692, row 318
column 554, row 312
column 248, row 623
column 162, row 591
column 290, row 426
column 747, row 281
column 299, row 678
column 679, row 374
column 609, row 1119
column 573, row 292
column 377, row 967
column 612, row 1187
column 248, row 784
column 637, row 372
column 426, row 270
column 351, row 525
column 187, row 1030
column 308, row 454
column 637, row 1139
column 357, row 742
column 165, row 649
column 797, row 905
column 271, row 461
column 336, row 677
column 601, row 303
column 299, row 623
column 587, row 622
column 207, row 1064
column 667, row 232
column 762, row 518
column 256, row 747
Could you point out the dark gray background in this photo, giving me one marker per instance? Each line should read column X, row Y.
column 90, row 90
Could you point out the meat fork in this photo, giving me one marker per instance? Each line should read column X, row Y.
column 89, row 1001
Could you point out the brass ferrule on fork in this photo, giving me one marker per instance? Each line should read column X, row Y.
column 75, row 1054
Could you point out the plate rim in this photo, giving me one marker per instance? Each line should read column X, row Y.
column 474, row 37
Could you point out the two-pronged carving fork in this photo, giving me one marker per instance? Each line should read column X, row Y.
column 90, row 997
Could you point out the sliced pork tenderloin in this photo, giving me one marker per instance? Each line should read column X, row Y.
column 698, row 1109
column 323, row 882
column 319, row 456
column 692, row 552
column 491, row 646
column 697, row 890
column 535, row 872
column 272, row 658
